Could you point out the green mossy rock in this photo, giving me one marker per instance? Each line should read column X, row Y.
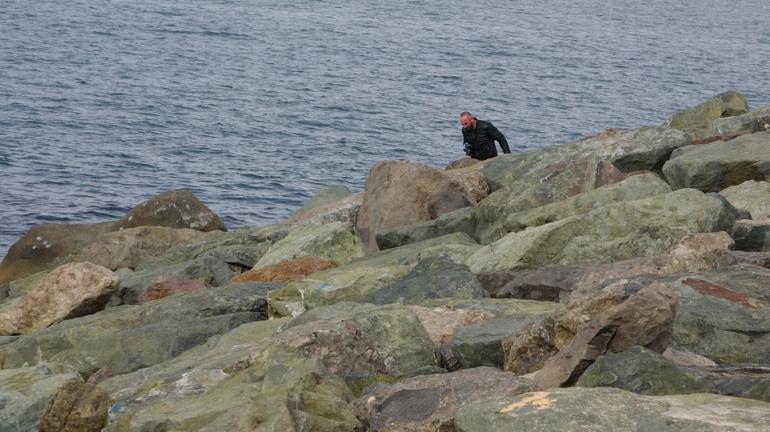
column 456, row 221
column 727, row 104
column 609, row 409
column 752, row 196
column 718, row 165
column 127, row 338
column 611, row 233
column 334, row 241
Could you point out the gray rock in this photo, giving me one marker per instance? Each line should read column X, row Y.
column 752, row 196
column 752, row 235
column 456, row 221
column 326, row 195
column 432, row 278
column 727, row 104
column 479, row 344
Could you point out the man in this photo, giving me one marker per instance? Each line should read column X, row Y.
column 479, row 137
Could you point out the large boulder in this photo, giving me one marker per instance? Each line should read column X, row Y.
column 173, row 209
column 26, row 392
column 442, row 322
column 127, row 338
column 434, row 277
column 718, row 165
column 646, row 372
column 428, row 403
column 557, row 282
column 724, row 128
column 334, row 241
column 130, row 247
column 752, row 235
column 342, row 210
column 357, row 280
column 724, row 315
column 609, row 409
column 752, row 196
column 399, row 193
column 69, row 291
column 456, row 221
column 727, row 104
column 622, row 315
column 611, row 233
column 46, row 246
column 643, row 185
column 480, row 344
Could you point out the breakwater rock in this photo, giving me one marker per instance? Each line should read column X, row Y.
column 620, row 282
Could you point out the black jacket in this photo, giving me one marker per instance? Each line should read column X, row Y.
column 480, row 141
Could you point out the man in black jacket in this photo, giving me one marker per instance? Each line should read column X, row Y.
column 479, row 137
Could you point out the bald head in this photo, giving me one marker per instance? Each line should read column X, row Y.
column 467, row 121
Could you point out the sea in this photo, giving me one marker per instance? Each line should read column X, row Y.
column 256, row 104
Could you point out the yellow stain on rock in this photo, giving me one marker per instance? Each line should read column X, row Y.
column 539, row 400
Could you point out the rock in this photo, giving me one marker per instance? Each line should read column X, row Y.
column 402, row 193
column 344, row 210
column 687, row 358
column 129, row 247
column 325, row 196
column 718, row 165
column 442, row 322
column 284, row 271
column 759, row 259
column 128, row 338
column 428, row 403
column 752, row 196
column 456, row 221
column 360, row 341
column 752, row 235
column 69, row 291
column 76, row 407
column 621, row 315
column 636, row 187
column 279, row 390
column 642, row 371
column 727, row 104
column 472, row 180
column 646, row 148
column 754, row 121
column 45, row 246
column 174, row 209
column 334, row 241
column 167, row 284
column 462, row 163
column 724, row 315
column 25, row 393
column 645, row 318
column 480, row 344
column 432, row 278
column 608, row 409
column 356, row 280
column 611, row 233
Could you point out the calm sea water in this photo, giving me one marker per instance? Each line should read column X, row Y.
column 254, row 105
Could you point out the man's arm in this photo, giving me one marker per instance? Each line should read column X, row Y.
column 466, row 144
column 499, row 137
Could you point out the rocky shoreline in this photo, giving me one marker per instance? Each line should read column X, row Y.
column 619, row 283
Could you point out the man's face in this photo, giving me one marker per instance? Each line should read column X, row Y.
column 467, row 122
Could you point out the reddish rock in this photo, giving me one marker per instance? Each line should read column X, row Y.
column 286, row 270
column 400, row 193
column 167, row 284
column 723, row 137
column 69, row 291
column 76, row 407
column 441, row 323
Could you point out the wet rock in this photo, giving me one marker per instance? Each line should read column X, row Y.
column 76, row 407
column 334, row 241
column 611, row 233
column 403, row 193
column 718, row 165
column 428, row 403
column 752, row 235
column 727, row 104
column 283, row 271
column 752, row 196
column 173, row 209
column 69, row 291
column 608, row 409
column 432, row 278
column 646, row 372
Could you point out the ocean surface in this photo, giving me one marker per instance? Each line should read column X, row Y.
column 254, row 105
